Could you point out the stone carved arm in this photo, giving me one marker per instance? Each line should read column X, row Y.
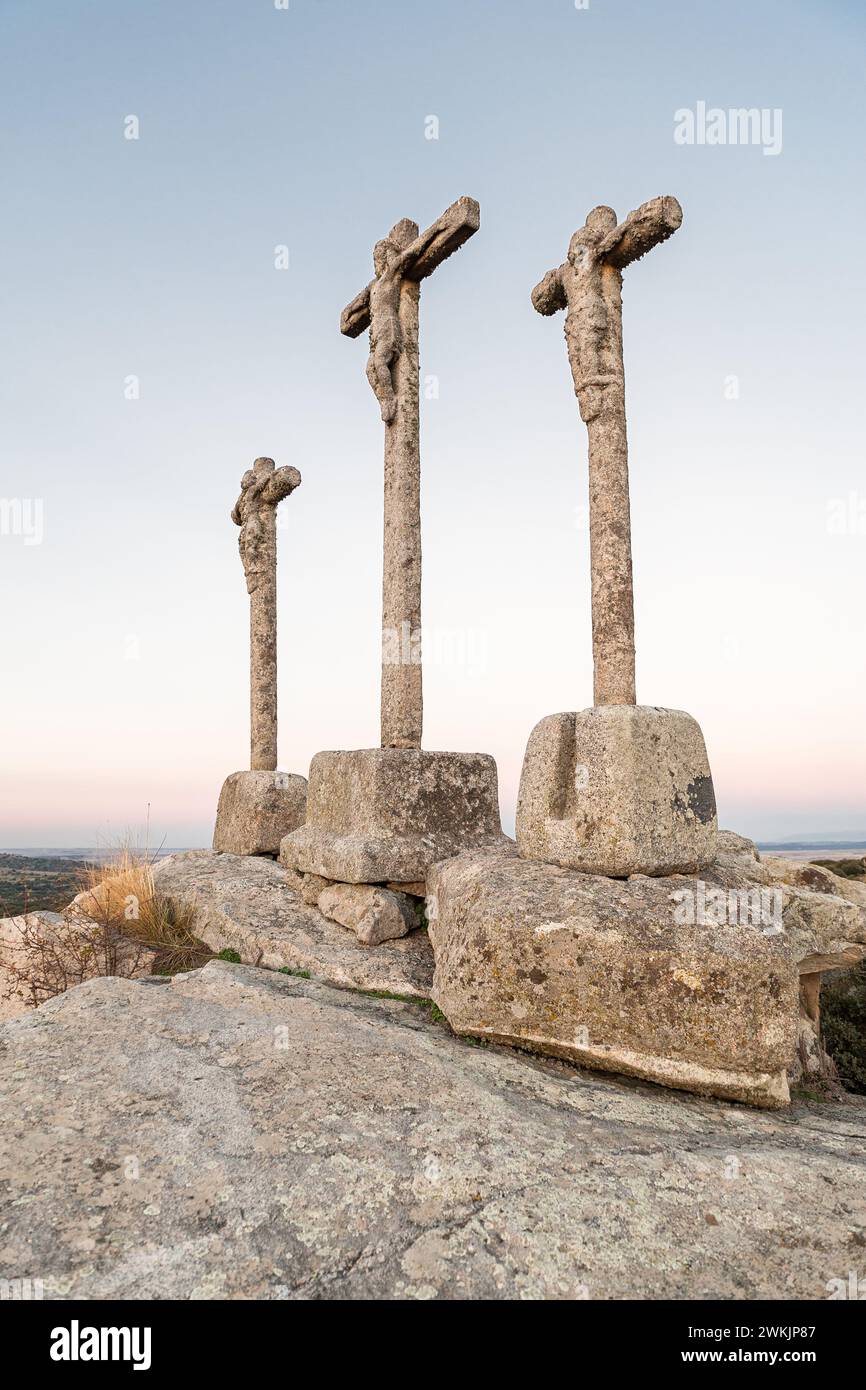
column 355, row 318
column 421, row 257
column 447, row 234
column 549, row 294
column 247, row 482
column 646, row 227
column 279, row 485
column 424, row 243
column 263, row 490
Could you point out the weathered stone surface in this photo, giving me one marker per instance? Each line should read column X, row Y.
column 388, row 306
column 826, row 925
column 263, row 487
column 246, row 904
column 311, row 888
column 738, row 907
column 618, row 790
column 380, row 815
column 588, row 285
column 811, row 1061
column 373, row 914
column 814, row 877
column 256, row 809
column 293, row 1141
column 825, row 922
column 295, row 881
column 613, row 974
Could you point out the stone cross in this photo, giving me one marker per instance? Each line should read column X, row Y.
column 589, row 287
column 263, row 487
column 388, row 306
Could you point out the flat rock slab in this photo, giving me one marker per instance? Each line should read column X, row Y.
column 246, row 905
column 240, row 1134
column 632, row 976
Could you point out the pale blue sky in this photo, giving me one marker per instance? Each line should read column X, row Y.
column 125, row 631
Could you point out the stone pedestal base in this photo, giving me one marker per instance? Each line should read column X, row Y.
column 618, row 790
column 384, row 815
column 256, row 809
column 633, row 977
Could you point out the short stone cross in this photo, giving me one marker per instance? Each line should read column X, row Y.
column 263, row 487
column 589, row 287
column 388, row 306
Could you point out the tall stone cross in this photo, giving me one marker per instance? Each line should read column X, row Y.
column 263, row 487
column 589, row 287
column 388, row 306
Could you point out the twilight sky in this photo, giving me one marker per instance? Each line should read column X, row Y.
column 151, row 349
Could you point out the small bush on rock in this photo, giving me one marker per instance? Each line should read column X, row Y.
column 843, row 1024
column 118, row 925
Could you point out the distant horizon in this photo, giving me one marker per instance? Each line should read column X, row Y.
column 838, row 842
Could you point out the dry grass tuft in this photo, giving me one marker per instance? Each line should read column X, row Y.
column 119, row 924
column 122, row 895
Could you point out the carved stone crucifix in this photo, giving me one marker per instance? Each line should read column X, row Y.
column 388, row 306
column 263, row 487
column 589, row 287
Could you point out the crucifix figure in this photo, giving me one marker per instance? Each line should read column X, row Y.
column 263, row 487
column 388, row 306
column 620, row 788
column 383, row 815
column 589, row 287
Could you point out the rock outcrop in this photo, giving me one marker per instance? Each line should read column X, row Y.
column 241, row 1134
column 373, row 914
column 709, row 983
column 710, row 1005
column 605, row 972
column 251, row 905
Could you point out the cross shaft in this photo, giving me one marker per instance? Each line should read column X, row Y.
column 588, row 286
column 389, row 307
column 262, row 489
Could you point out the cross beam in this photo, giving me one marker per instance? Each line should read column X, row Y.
column 456, row 225
column 388, row 306
column 588, row 285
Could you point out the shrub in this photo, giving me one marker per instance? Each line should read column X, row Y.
column 47, row 953
column 119, row 924
column 845, row 868
column 843, row 1024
